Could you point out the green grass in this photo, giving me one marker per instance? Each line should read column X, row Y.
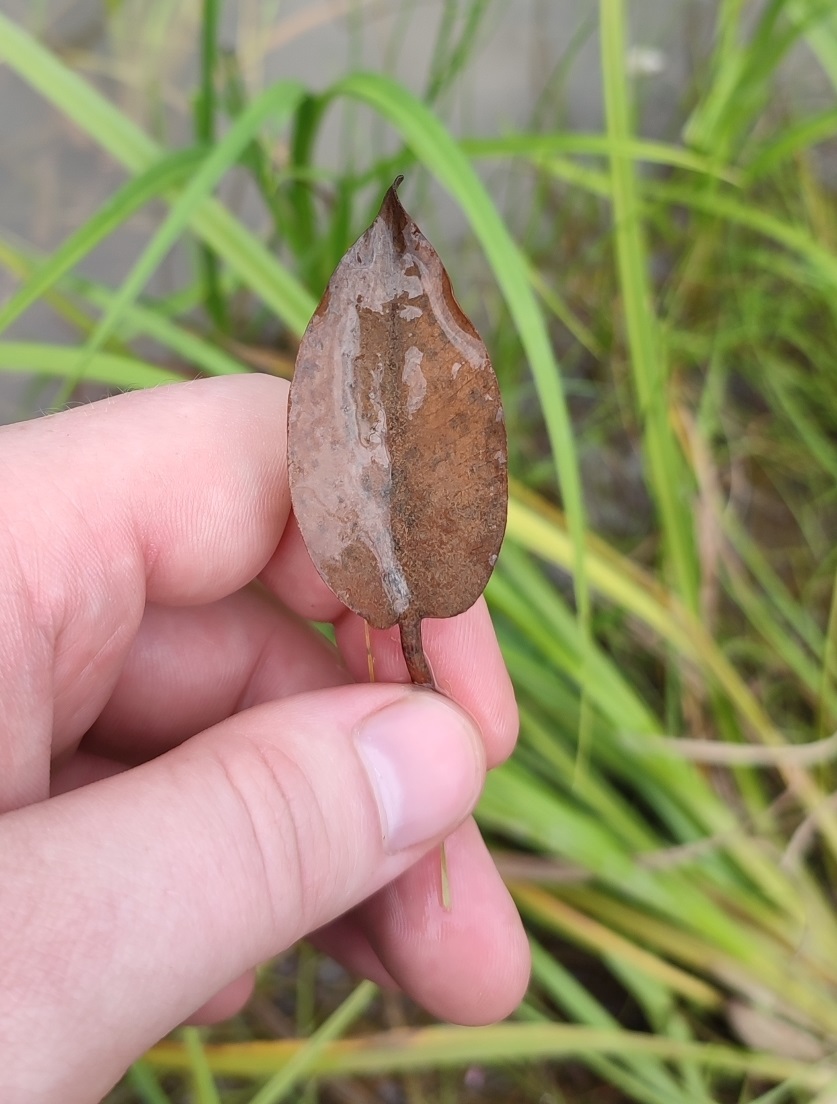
column 670, row 623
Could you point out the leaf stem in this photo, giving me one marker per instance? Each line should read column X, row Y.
column 411, row 646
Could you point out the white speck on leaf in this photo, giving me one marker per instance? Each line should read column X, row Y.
column 413, row 377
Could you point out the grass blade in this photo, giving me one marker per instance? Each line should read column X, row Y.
column 205, row 1089
column 122, row 372
column 154, row 182
column 126, row 143
column 278, row 103
column 300, row 1063
column 457, row 1047
column 668, row 476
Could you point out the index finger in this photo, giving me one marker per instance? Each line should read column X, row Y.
column 177, row 495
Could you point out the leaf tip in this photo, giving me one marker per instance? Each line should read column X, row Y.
column 392, row 210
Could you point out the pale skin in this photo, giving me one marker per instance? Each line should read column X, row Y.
column 188, row 772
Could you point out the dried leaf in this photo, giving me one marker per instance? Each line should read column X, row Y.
column 396, row 438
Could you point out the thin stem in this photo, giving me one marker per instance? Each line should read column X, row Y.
column 411, row 646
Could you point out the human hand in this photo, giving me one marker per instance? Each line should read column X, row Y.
column 187, row 772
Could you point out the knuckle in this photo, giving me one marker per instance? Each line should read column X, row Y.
column 291, row 845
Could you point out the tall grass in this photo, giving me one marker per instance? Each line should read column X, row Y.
column 666, row 825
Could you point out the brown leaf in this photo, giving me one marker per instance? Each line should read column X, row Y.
column 396, row 438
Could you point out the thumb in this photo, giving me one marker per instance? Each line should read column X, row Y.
column 131, row 901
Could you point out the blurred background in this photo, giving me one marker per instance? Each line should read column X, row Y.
column 636, row 202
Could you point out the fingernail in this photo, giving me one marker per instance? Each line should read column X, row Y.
column 426, row 764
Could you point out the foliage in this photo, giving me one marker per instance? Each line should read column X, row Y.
column 666, row 821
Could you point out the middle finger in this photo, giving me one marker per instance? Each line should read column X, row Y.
column 191, row 667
